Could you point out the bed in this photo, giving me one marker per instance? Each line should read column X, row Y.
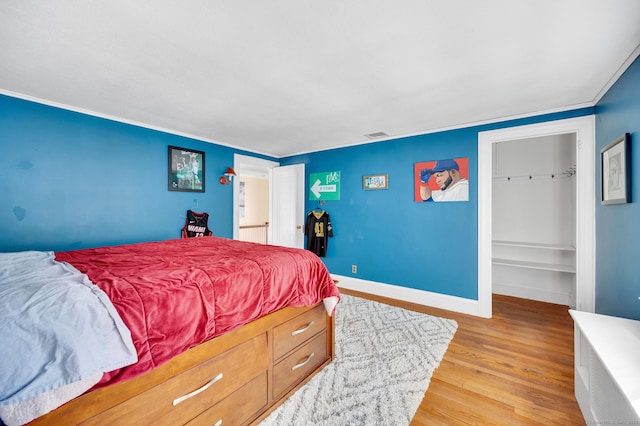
column 192, row 331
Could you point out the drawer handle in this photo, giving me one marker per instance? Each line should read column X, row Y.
column 218, row 423
column 303, row 329
column 197, row 391
column 303, row 363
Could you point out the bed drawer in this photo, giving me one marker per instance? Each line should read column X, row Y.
column 188, row 394
column 238, row 407
column 301, row 328
column 299, row 364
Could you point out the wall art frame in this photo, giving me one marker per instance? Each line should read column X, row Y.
column 615, row 167
column 186, row 169
column 373, row 182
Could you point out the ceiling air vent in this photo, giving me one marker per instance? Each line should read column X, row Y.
column 376, row 135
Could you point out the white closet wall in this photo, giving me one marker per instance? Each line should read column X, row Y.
column 534, row 218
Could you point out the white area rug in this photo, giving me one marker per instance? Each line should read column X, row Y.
column 385, row 357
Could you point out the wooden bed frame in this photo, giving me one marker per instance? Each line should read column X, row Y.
column 237, row 378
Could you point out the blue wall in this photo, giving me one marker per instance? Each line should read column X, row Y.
column 618, row 226
column 391, row 238
column 69, row 180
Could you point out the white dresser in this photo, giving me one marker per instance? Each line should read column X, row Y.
column 607, row 368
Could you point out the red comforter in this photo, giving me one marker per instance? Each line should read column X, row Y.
column 176, row 294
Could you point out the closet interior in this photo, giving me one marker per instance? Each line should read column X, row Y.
column 534, row 218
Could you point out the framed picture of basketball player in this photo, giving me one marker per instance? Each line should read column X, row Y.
column 616, row 171
column 441, row 180
column 186, row 169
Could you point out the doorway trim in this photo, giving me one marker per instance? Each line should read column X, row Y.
column 584, row 129
column 245, row 165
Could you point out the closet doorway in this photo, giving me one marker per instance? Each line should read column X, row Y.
column 578, row 286
column 534, row 219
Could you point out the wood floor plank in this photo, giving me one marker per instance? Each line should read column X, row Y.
column 513, row 369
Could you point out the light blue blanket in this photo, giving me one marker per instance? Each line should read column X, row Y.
column 56, row 327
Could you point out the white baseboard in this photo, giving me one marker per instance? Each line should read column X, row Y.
column 421, row 297
column 541, row 295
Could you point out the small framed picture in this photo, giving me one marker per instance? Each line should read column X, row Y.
column 375, row 182
column 186, row 169
column 616, row 171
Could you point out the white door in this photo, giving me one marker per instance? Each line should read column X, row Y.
column 287, row 206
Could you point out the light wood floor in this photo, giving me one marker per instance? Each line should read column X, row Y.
column 513, row 369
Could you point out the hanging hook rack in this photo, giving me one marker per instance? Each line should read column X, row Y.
column 569, row 172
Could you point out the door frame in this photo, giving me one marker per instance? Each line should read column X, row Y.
column 584, row 130
column 245, row 165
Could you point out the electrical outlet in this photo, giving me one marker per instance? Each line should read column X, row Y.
column 354, row 269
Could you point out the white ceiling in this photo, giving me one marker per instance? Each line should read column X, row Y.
column 288, row 76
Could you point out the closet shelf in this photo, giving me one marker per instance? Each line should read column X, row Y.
column 534, row 265
column 565, row 247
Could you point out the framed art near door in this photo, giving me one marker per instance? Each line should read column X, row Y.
column 186, row 170
column 615, row 160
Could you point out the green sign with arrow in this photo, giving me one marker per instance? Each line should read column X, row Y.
column 324, row 186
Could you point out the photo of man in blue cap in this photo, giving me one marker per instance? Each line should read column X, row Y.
column 453, row 187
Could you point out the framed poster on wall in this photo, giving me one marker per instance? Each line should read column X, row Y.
column 375, row 182
column 186, row 169
column 441, row 180
column 615, row 160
